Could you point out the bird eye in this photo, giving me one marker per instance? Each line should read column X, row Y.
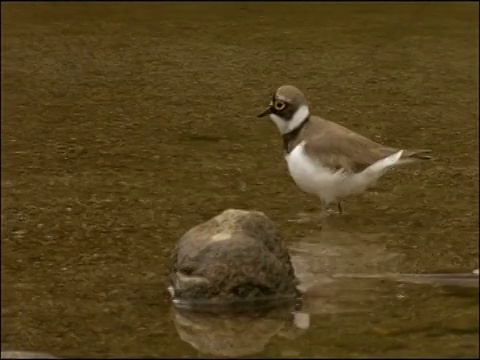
column 279, row 105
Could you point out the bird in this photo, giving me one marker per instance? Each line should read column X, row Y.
column 326, row 159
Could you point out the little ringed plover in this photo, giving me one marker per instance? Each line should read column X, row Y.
column 326, row 159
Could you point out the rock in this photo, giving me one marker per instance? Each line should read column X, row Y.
column 26, row 355
column 237, row 255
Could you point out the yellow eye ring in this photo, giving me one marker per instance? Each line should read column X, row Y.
column 279, row 105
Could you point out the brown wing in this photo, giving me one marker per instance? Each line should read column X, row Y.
column 337, row 147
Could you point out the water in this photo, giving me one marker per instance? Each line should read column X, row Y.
column 124, row 125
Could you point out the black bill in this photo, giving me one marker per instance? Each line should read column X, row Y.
column 265, row 113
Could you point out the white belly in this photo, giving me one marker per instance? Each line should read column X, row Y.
column 313, row 178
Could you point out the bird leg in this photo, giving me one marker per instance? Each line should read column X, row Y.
column 339, row 208
column 326, row 210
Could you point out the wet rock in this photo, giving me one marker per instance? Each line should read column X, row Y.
column 26, row 355
column 237, row 255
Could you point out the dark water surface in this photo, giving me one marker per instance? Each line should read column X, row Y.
column 123, row 125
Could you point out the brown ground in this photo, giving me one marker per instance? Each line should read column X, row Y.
column 123, row 125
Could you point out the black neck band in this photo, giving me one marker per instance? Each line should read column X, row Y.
column 292, row 134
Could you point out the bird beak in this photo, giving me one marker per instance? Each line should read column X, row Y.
column 266, row 112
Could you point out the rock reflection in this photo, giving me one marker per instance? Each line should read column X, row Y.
column 239, row 334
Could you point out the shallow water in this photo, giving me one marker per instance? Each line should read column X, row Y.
column 123, row 125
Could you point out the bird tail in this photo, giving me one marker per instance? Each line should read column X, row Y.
column 377, row 169
column 382, row 165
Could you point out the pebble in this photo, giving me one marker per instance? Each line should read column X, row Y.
column 26, row 355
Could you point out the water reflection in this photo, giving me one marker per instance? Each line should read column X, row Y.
column 460, row 279
column 236, row 335
column 342, row 274
column 331, row 257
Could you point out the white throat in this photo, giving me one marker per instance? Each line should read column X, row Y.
column 286, row 126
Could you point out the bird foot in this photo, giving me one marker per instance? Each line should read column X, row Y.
column 328, row 210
